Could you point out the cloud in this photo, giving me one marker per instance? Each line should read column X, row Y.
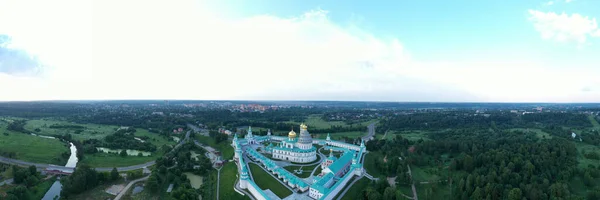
column 564, row 27
column 549, row 3
column 16, row 61
column 183, row 50
column 569, row 1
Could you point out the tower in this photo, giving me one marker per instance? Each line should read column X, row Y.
column 243, row 175
column 249, row 132
column 328, row 137
column 354, row 159
column 304, row 140
column 235, row 138
column 268, row 132
column 362, row 144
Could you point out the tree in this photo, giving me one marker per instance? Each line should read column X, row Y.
column 514, row 194
column 389, row 194
column 123, row 153
column 114, row 174
column 152, row 183
column 31, row 181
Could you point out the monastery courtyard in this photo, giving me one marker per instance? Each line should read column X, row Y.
column 301, row 167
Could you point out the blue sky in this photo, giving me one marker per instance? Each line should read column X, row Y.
column 490, row 51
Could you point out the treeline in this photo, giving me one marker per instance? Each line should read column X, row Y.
column 63, row 126
column 488, row 164
column 122, row 139
column 494, row 120
column 17, row 126
column 85, row 178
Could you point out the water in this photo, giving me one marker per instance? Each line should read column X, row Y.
column 53, row 191
column 137, row 189
column 56, row 186
column 73, row 158
column 129, row 151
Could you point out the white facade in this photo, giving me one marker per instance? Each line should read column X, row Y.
column 295, row 156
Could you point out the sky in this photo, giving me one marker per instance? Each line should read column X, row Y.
column 426, row 50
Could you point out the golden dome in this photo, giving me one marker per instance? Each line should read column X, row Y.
column 292, row 134
column 303, row 126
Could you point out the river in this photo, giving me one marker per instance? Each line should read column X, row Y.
column 56, row 187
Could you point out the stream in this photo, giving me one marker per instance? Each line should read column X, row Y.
column 54, row 191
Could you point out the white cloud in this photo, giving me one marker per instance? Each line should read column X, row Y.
column 549, row 3
column 569, row 1
column 181, row 50
column 564, row 27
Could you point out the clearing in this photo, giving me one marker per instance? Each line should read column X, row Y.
column 538, row 132
column 32, row 148
column 88, row 131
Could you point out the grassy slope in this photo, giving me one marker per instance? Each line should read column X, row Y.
column 369, row 163
column 266, row 181
column 356, row 190
column 224, row 147
column 32, row 148
column 228, row 179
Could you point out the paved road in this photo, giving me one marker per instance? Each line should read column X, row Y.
column 198, row 129
column 414, row 190
column 370, row 132
column 128, row 186
column 218, row 181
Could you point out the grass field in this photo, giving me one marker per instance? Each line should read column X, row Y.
column 410, row 135
column 228, row 179
column 369, row 163
column 91, row 131
column 266, row 181
column 424, row 174
column 32, row 148
column 594, row 122
column 538, row 133
column 114, row 160
column 316, row 122
column 224, row 147
column 584, row 162
column 356, row 190
column 306, row 171
column 154, row 138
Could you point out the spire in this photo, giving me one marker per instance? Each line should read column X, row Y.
column 328, row 138
column 269, row 132
column 249, row 131
column 362, row 144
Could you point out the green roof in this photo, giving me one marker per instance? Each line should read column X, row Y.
column 341, row 162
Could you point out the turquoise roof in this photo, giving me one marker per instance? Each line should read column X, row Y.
column 341, row 162
column 320, row 184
